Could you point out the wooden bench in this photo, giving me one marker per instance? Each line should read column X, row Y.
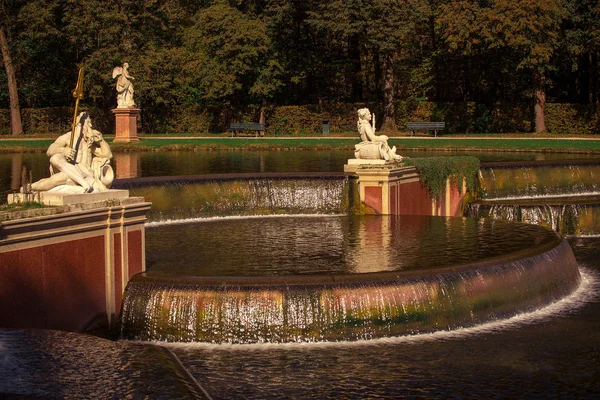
column 235, row 128
column 426, row 126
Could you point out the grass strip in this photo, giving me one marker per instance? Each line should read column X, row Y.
column 502, row 143
column 149, row 143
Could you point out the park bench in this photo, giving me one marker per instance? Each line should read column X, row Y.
column 236, row 128
column 426, row 126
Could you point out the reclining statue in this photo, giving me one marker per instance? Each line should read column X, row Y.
column 83, row 168
column 372, row 147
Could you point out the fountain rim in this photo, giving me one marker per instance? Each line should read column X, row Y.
column 202, row 178
column 240, row 282
column 532, row 163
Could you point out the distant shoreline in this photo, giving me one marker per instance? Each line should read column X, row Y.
column 585, row 145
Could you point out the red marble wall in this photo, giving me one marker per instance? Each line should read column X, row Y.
column 456, row 198
column 373, row 198
column 136, row 252
column 413, row 199
column 54, row 286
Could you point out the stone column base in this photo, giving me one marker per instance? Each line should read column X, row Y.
column 392, row 189
column 67, row 266
column 126, row 125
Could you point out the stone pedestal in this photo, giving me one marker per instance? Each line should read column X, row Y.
column 126, row 125
column 56, row 198
column 65, row 267
column 394, row 189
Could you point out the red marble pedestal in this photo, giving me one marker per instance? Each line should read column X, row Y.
column 398, row 190
column 66, row 267
column 126, row 125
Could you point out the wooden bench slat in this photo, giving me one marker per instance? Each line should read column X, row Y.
column 246, row 126
column 426, row 126
column 240, row 127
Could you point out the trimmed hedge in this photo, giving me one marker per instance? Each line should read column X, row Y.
column 460, row 117
column 55, row 120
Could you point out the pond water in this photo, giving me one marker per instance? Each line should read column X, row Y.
column 335, row 244
column 173, row 163
column 552, row 353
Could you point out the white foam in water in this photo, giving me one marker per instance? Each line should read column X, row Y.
column 154, row 224
column 491, row 200
column 586, row 236
column 587, row 292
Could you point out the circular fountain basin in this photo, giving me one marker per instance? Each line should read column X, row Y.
column 334, row 278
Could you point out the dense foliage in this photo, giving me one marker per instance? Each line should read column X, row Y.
column 231, row 59
column 435, row 171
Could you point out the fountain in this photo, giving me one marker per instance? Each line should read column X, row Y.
column 353, row 278
column 383, row 276
column 535, row 354
column 561, row 195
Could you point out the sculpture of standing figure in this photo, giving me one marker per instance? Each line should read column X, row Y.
column 124, row 86
column 83, row 168
column 372, row 147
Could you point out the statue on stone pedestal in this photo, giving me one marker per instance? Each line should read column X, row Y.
column 372, row 147
column 124, row 86
column 82, row 168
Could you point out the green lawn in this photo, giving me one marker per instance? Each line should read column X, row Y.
column 502, row 143
column 171, row 143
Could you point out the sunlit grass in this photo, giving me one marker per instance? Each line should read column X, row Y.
column 291, row 142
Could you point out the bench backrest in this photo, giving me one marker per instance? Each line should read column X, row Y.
column 250, row 127
column 426, row 125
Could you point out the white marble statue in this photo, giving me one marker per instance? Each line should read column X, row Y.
column 372, row 147
column 83, row 168
column 124, row 86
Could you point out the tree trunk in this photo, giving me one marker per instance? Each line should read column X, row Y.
column 539, row 103
column 261, row 119
column 15, row 113
column 389, row 123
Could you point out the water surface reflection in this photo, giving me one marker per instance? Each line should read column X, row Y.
column 174, row 163
column 555, row 357
column 323, row 245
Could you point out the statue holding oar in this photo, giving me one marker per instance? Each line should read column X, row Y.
column 80, row 159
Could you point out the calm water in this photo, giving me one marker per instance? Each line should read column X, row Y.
column 43, row 364
column 323, row 245
column 172, row 163
column 552, row 354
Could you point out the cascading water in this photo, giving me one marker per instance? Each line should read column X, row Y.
column 257, row 194
column 392, row 276
column 569, row 219
column 251, row 282
column 509, row 181
column 563, row 196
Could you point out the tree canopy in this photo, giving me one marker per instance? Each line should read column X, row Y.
column 251, row 53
